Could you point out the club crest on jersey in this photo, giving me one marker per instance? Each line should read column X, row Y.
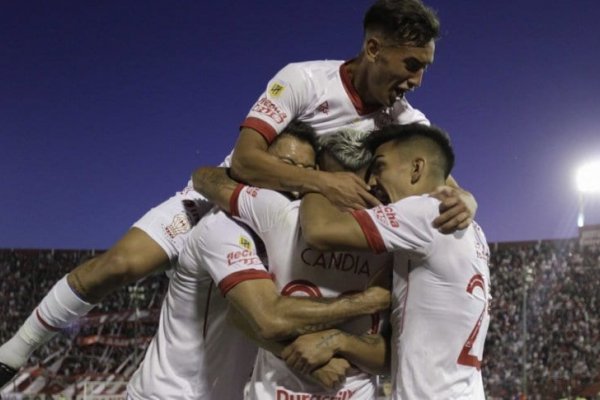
column 276, row 90
column 252, row 191
column 323, row 107
column 268, row 108
column 180, row 224
column 387, row 215
column 245, row 243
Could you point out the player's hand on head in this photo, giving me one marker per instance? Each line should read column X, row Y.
column 346, row 191
column 311, row 350
column 457, row 209
column 332, row 375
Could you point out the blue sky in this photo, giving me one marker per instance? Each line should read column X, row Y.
column 106, row 107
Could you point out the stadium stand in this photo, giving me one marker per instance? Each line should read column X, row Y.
column 557, row 281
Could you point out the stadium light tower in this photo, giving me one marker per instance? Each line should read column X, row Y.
column 588, row 181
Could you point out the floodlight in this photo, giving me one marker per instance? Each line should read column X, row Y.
column 588, row 177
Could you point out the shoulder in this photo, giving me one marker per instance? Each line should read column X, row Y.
column 313, row 70
column 403, row 113
column 423, row 205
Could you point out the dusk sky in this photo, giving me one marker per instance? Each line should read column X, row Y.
column 106, row 107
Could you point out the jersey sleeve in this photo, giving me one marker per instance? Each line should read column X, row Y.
column 405, row 114
column 404, row 225
column 260, row 209
column 287, row 95
column 226, row 250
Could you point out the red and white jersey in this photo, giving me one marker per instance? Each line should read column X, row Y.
column 321, row 94
column 196, row 353
column 441, row 293
column 299, row 270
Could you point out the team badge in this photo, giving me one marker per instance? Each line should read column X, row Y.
column 276, row 90
column 245, row 243
column 323, row 107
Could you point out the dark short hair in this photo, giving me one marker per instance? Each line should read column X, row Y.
column 403, row 21
column 301, row 131
column 403, row 133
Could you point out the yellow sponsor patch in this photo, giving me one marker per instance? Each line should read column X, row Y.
column 245, row 243
column 276, row 90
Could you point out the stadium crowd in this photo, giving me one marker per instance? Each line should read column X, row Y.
column 559, row 278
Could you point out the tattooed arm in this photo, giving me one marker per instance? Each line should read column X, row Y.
column 215, row 184
column 329, row 375
column 275, row 317
column 370, row 352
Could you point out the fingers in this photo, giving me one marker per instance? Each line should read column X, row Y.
column 369, row 199
column 452, row 220
column 457, row 208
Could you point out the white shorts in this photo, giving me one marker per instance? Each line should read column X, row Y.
column 169, row 223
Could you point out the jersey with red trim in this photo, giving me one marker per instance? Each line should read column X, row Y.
column 321, row 94
column 441, row 292
column 299, row 270
column 196, row 353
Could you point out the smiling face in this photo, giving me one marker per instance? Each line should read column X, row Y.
column 395, row 69
column 390, row 172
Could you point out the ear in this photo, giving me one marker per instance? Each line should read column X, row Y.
column 372, row 48
column 417, row 170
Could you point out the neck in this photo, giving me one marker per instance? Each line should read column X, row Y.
column 357, row 70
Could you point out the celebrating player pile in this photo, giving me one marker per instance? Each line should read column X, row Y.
column 198, row 353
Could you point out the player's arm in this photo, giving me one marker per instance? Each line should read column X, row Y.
column 216, row 185
column 275, row 317
column 324, row 227
column 457, row 207
column 330, row 374
column 252, row 164
column 370, row 352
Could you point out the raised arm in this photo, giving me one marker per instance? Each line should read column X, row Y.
column 251, row 163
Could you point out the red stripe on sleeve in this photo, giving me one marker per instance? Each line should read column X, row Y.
column 230, row 281
column 233, row 200
column 261, row 127
column 370, row 230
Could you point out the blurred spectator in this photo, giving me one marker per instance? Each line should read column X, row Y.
column 563, row 327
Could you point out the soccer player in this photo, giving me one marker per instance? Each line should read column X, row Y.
column 441, row 282
column 299, row 270
column 196, row 353
column 363, row 93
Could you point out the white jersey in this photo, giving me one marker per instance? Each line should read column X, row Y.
column 196, row 353
column 441, row 293
column 299, row 270
column 320, row 93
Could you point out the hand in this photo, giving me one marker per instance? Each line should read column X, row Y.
column 457, row 209
column 312, row 350
column 332, row 375
column 346, row 191
column 376, row 298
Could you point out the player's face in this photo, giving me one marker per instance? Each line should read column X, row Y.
column 390, row 173
column 293, row 151
column 397, row 69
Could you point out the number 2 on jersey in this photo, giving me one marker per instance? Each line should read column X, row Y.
column 465, row 358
